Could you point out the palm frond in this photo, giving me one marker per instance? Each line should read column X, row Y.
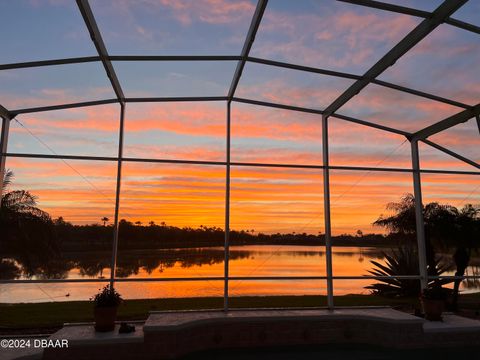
column 7, row 180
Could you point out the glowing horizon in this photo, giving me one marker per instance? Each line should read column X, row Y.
column 268, row 200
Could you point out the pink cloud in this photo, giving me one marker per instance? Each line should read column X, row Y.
column 444, row 63
column 209, row 11
column 351, row 37
column 431, row 158
column 38, row 97
column 464, row 135
column 396, row 109
column 215, row 12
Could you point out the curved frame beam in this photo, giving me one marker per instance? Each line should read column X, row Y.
column 321, row 112
column 40, row 63
column 447, row 123
column 438, row 16
column 274, row 63
column 247, row 46
column 451, row 153
column 412, row 12
column 63, row 106
column 96, row 37
column 357, row 77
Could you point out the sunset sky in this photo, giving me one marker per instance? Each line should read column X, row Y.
column 326, row 34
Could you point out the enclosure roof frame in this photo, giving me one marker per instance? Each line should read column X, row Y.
column 431, row 20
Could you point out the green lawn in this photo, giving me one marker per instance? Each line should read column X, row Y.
column 52, row 314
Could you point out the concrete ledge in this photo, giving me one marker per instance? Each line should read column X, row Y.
column 452, row 323
column 179, row 320
column 197, row 331
column 86, row 335
column 168, row 335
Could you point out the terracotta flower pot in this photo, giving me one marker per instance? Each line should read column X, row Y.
column 105, row 318
column 432, row 308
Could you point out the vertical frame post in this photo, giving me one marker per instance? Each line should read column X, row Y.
column 419, row 220
column 227, row 213
column 3, row 149
column 117, row 196
column 326, row 204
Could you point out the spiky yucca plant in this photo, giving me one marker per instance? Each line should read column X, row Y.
column 401, row 261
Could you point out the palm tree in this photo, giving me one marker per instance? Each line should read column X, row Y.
column 403, row 223
column 19, row 201
column 445, row 226
column 105, row 220
column 27, row 231
column 7, row 180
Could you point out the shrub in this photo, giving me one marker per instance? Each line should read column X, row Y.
column 107, row 297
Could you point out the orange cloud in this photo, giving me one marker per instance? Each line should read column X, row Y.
column 457, row 190
column 265, row 199
column 61, row 191
column 105, row 118
column 182, row 118
column 250, row 121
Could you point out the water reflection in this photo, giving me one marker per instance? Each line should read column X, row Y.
column 255, row 260
column 472, row 284
column 130, row 263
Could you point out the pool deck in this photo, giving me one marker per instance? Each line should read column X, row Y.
column 168, row 335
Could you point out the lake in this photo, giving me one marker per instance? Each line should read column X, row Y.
column 258, row 260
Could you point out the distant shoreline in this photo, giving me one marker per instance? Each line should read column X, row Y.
column 340, row 241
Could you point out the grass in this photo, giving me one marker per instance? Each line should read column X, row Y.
column 54, row 314
column 48, row 314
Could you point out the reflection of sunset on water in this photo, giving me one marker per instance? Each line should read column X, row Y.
column 245, row 261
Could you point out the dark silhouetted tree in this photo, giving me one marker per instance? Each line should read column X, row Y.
column 446, row 227
column 27, row 230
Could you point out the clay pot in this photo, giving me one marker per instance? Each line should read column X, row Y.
column 105, row 318
column 432, row 308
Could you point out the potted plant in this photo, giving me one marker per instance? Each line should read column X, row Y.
column 433, row 302
column 106, row 304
